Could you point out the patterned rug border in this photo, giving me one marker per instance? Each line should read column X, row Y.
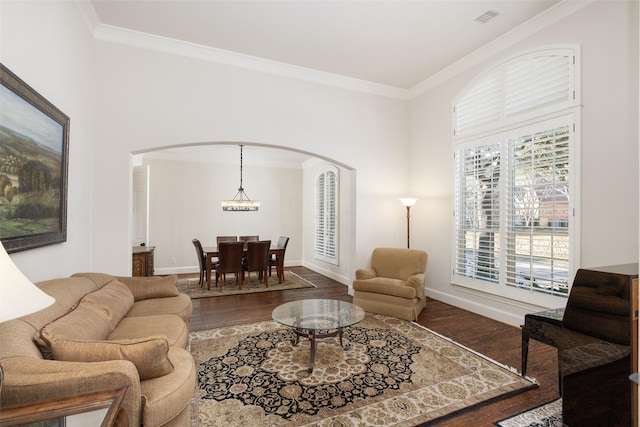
column 274, row 286
column 477, row 353
column 209, row 334
column 549, row 413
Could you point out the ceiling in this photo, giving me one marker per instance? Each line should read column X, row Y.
column 395, row 43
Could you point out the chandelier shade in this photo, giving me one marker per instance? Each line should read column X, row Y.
column 241, row 202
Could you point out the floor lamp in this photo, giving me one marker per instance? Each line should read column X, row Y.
column 408, row 202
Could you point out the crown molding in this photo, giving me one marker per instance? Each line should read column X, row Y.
column 177, row 47
column 532, row 26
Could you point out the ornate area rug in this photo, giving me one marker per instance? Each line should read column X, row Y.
column 291, row 280
column 395, row 373
column 547, row 415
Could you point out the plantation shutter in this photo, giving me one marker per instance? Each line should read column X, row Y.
column 537, row 82
column 478, row 211
column 537, row 237
column 516, row 177
column 320, row 217
column 518, row 88
column 326, row 245
column 480, row 105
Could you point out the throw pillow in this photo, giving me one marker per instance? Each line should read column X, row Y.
column 151, row 287
column 149, row 355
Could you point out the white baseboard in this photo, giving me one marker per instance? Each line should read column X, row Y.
column 485, row 305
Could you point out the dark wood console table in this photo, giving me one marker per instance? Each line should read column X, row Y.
column 142, row 261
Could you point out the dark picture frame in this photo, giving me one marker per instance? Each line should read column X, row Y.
column 34, row 162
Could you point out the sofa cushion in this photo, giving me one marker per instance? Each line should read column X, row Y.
column 180, row 306
column 114, row 295
column 149, row 355
column 168, row 325
column 151, row 287
column 94, row 317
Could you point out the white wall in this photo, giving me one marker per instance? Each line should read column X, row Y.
column 608, row 35
column 150, row 99
column 49, row 46
column 185, row 201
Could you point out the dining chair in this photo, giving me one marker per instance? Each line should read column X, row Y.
column 283, row 241
column 226, row 239
column 258, row 259
column 249, row 238
column 202, row 261
column 230, row 261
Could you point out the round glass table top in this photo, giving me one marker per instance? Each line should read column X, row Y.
column 318, row 314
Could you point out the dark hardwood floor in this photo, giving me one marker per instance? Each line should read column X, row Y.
column 494, row 339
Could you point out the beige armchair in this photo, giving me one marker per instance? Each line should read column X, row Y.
column 394, row 285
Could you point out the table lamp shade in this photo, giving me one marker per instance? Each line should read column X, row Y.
column 18, row 296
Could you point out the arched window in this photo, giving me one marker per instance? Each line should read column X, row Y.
column 516, row 176
column 326, row 247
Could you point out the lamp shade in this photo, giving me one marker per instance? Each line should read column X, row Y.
column 408, row 201
column 18, row 296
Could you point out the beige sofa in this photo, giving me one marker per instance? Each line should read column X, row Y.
column 104, row 332
column 394, row 284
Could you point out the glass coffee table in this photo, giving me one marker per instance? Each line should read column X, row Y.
column 316, row 319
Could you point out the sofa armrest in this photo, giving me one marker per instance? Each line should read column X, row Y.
column 365, row 273
column 416, row 281
column 29, row 380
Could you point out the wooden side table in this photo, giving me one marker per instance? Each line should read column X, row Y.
column 142, row 261
column 54, row 410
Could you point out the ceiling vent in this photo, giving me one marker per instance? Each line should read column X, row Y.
column 487, row 16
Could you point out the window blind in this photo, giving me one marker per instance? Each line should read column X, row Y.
column 537, row 237
column 326, row 247
column 515, row 89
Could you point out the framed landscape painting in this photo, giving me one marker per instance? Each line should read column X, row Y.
column 34, row 153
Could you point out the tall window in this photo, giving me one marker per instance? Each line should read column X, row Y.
column 515, row 151
column 326, row 247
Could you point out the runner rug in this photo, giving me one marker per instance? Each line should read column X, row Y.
column 395, row 373
column 250, row 284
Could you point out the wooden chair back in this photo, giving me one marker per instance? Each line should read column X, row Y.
column 258, row 258
column 201, row 261
column 230, row 257
column 226, row 239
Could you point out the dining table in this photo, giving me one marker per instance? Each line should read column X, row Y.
column 211, row 252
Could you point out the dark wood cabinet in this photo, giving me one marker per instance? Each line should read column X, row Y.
column 142, row 261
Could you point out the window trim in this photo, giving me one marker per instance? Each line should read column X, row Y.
column 472, row 136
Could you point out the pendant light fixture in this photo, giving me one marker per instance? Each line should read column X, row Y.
column 241, row 202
